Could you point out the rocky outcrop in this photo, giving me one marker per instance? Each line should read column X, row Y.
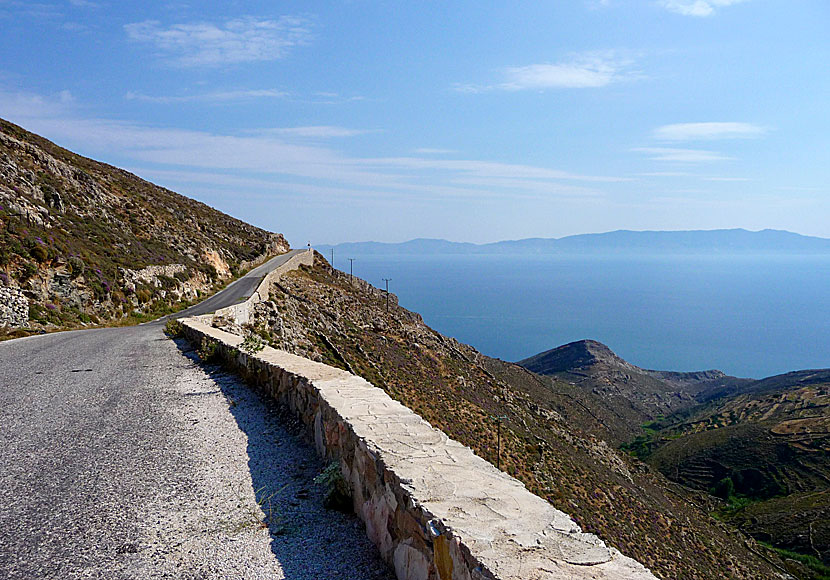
column 14, row 308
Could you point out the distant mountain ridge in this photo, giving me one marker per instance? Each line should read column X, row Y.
column 728, row 241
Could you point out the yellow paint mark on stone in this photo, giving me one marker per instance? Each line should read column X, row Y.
column 443, row 561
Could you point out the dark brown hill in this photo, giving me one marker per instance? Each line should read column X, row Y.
column 82, row 241
column 631, row 394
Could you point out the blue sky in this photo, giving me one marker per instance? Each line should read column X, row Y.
column 470, row 121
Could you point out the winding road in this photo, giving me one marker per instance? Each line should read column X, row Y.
column 122, row 456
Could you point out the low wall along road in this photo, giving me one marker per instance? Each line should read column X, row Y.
column 435, row 509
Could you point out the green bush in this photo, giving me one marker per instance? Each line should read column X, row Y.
column 173, row 328
column 27, row 270
column 143, row 295
column 76, row 266
column 723, row 489
column 208, row 350
column 252, row 344
column 338, row 495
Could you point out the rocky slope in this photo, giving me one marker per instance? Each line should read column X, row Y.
column 628, row 395
column 83, row 242
column 760, row 446
column 324, row 315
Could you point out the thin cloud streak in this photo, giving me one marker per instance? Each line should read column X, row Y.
column 214, row 97
column 708, row 131
column 682, row 155
column 204, row 44
column 587, row 70
column 314, row 131
column 698, row 8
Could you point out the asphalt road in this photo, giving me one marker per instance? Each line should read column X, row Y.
column 239, row 289
column 122, row 457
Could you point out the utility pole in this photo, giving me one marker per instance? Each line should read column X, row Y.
column 332, row 258
column 351, row 268
column 387, row 280
column 498, row 419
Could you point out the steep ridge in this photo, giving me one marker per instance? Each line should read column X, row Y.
column 761, row 446
column 631, row 394
column 327, row 316
column 83, row 242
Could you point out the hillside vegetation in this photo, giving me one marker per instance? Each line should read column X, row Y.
column 84, row 242
column 327, row 316
column 766, row 453
column 759, row 447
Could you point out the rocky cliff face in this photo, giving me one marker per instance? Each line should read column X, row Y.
column 86, row 242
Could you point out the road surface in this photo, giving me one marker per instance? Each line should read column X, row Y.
column 121, row 456
column 238, row 290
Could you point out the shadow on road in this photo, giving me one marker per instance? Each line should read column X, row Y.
column 308, row 540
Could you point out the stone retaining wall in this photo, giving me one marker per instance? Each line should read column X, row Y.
column 14, row 307
column 241, row 313
column 435, row 510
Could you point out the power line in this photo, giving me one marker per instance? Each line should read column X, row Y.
column 387, row 280
column 498, row 419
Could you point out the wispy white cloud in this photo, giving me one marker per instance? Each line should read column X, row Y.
column 246, row 39
column 435, row 151
column 587, row 70
column 666, row 174
column 727, row 179
column 707, row 131
column 696, row 7
column 84, row 4
column 212, row 97
column 38, row 11
column 484, row 169
column 682, row 155
column 331, row 98
column 288, row 158
column 314, row 131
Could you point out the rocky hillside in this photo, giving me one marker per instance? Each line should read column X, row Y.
column 324, row 315
column 83, row 242
column 766, row 453
column 626, row 394
column 761, row 447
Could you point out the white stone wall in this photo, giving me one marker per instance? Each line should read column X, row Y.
column 14, row 307
column 435, row 510
column 241, row 313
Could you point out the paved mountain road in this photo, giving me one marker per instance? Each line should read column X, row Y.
column 239, row 289
column 123, row 457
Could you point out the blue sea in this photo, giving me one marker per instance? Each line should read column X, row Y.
column 749, row 316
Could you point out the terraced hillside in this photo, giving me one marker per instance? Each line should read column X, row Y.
column 84, row 242
column 324, row 315
column 766, row 453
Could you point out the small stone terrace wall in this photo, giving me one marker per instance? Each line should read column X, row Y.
column 435, row 510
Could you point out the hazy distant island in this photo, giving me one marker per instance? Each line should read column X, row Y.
column 731, row 241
